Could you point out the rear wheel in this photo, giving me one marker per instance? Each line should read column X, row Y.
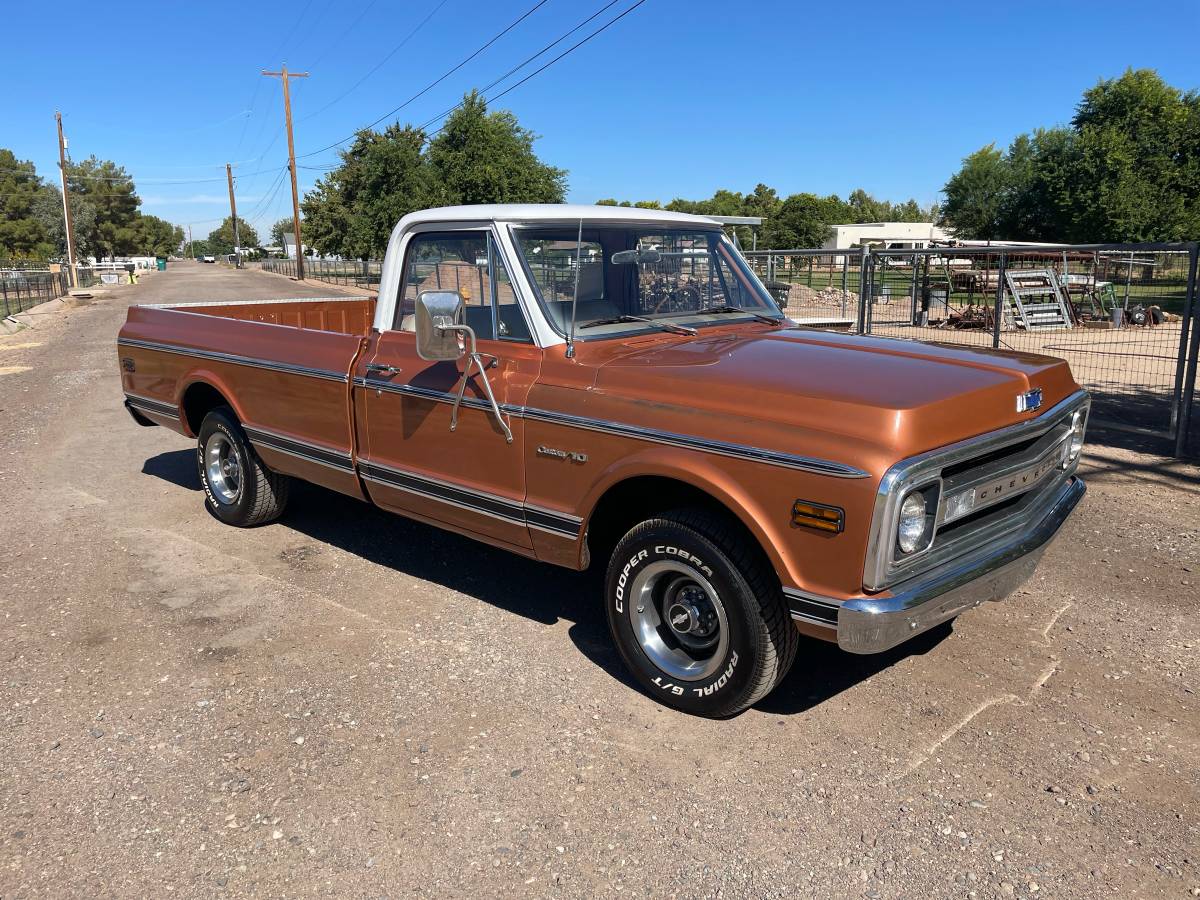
column 240, row 489
column 697, row 615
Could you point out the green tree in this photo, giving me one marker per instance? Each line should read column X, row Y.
column 110, row 190
column 803, row 220
column 22, row 232
column 198, row 249
column 1127, row 169
column 220, row 241
column 282, row 227
column 326, row 218
column 976, row 193
column 352, row 210
column 482, row 157
column 155, row 237
column 1035, row 203
column 1137, row 152
column 477, row 157
column 48, row 209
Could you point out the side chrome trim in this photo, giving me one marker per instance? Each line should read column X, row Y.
column 463, row 498
column 704, row 445
column 150, row 405
column 334, row 459
column 379, row 384
column 252, row 362
column 559, row 524
column 552, row 522
column 806, row 607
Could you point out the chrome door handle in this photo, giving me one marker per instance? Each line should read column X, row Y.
column 382, row 369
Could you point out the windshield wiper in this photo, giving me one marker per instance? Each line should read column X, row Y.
column 658, row 323
column 771, row 320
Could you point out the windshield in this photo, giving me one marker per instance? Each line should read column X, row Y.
column 685, row 276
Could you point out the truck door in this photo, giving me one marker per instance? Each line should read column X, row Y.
column 470, row 479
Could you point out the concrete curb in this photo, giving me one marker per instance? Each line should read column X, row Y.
column 73, row 300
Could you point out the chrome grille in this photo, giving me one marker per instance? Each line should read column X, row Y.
column 1011, row 475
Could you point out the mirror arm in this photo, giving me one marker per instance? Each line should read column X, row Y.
column 475, row 359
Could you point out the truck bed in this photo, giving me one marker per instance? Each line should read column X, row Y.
column 283, row 364
column 350, row 315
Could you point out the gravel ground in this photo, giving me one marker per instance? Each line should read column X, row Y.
column 346, row 703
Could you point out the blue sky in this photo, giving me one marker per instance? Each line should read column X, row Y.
column 676, row 99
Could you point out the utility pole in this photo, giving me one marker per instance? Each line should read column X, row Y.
column 285, row 75
column 191, row 246
column 62, row 166
column 237, row 241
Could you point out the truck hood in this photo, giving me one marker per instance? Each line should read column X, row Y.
column 831, row 389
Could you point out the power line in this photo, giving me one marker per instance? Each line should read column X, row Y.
column 295, row 25
column 137, row 180
column 436, row 81
column 378, row 65
column 567, row 52
column 250, row 110
column 267, row 198
column 527, row 60
column 353, row 25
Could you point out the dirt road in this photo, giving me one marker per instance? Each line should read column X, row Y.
column 349, row 704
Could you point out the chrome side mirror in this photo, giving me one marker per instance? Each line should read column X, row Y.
column 439, row 315
column 442, row 335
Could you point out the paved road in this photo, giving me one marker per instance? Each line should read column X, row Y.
column 345, row 703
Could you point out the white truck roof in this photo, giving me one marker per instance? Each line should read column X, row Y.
column 550, row 212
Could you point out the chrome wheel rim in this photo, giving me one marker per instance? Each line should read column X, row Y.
column 223, row 468
column 679, row 620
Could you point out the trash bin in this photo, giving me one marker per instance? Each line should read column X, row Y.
column 780, row 291
column 162, row 263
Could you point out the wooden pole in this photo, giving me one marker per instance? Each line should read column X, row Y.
column 237, row 242
column 286, row 76
column 62, row 166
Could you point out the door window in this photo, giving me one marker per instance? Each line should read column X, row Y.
column 467, row 262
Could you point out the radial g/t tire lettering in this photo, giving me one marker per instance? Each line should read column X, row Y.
column 697, row 614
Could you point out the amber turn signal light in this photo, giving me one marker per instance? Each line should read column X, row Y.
column 818, row 516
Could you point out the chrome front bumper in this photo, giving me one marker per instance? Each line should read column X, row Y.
column 874, row 624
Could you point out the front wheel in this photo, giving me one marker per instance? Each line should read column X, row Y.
column 697, row 614
column 240, row 489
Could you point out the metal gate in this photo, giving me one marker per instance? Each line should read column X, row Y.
column 1123, row 315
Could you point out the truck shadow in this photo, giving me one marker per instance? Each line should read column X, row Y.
column 525, row 587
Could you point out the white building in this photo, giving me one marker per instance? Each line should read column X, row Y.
column 289, row 247
column 889, row 235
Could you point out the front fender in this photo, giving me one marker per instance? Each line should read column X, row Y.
column 709, row 476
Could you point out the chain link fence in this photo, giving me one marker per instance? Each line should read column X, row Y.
column 26, row 287
column 362, row 273
column 1123, row 315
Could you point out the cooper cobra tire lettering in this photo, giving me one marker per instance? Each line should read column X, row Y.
column 679, row 659
column 686, row 556
column 623, row 580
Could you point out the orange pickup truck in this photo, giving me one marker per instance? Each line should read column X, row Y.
column 580, row 384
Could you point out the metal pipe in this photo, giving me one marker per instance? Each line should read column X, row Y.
column 1186, row 389
column 998, row 317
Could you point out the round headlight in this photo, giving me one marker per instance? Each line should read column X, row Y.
column 1075, row 441
column 910, row 533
